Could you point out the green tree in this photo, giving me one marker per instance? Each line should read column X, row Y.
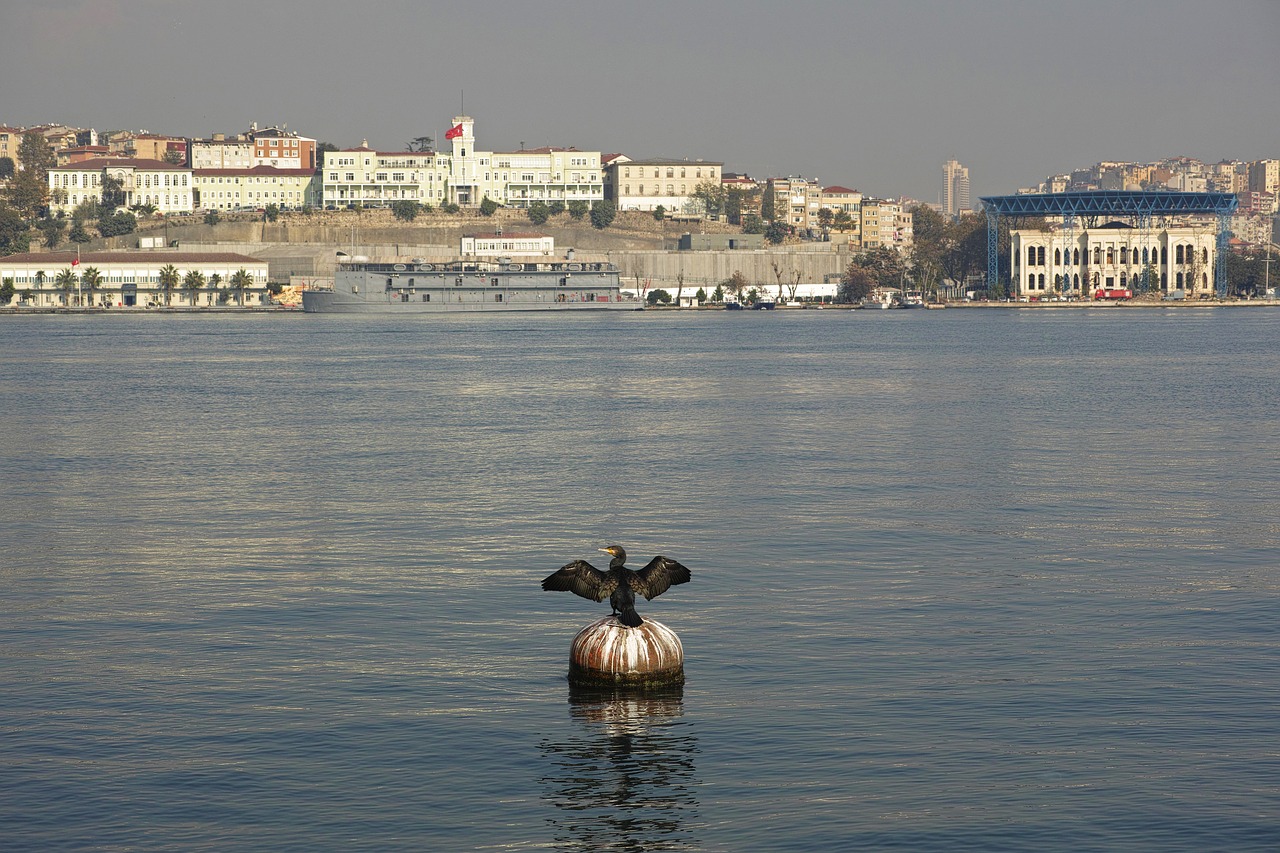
column 28, row 191
column 169, row 279
column 578, row 209
column 15, row 236
column 405, row 210
column 193, row 281
column 710, row 196
column 6, row 168
column 421, row 143
column 538, row 212
column 658, row 295
column 78, row 233
column 752, row 224
column 659, row 213
column 602, row 214
column 66, row 282
column 241, row 281
column 6, row 291
column 211, row 217
column 887, row 266
column 215, row 281
column 91, row 280
column 768, row 204
column 556, row 208
column 112, row 195
column 733, row 202
column 117, row 224
column 271, row 212
column 856, row 283
column 736, row 283
column 174, row 157
column 488, row 206
column 776, row 232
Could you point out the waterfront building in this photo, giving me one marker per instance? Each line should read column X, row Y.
column 955, row 189
column 796, row 201
column 519, row 178
column 254, row 188
column 131, row 279
column 663, row 182
column 1113, row 256
column 163, row 185
column 364, row 177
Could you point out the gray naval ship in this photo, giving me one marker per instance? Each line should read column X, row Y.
column 363, row 285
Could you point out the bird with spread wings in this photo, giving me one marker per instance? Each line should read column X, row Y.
column 618, row 583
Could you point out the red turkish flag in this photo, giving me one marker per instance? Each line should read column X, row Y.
column 75, row 262
column 453, row 132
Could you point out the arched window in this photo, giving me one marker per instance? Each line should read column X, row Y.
column 1124, row 254
column 1164, row 255
column 1076, row 263
column 1042, row 281
column 1179, row 280
column 1205, row 257
column 1057, row 257
column 1177, row 254
column 1124, row 278
column 1097, row 254
column 1075, row 281
column 1205, row 279
column 1144, row 254
column 1040, row 262
column 671, row 172
column 1031, row 256
column 1111, row 254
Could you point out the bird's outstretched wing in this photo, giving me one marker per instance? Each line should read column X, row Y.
column 654, row 579
column 582, row 578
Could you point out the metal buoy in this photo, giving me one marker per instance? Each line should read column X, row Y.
column 606, row 653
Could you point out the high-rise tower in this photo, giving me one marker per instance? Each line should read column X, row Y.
column 955, row 188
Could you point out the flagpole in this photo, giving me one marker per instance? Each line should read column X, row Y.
column 79, row 279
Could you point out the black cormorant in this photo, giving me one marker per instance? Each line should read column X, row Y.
column 619, row 583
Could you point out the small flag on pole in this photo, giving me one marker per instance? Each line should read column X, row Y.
column 453, row 132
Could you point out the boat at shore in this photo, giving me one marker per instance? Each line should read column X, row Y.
column 397, row 285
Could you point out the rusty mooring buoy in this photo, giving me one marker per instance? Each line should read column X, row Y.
column 606, row 653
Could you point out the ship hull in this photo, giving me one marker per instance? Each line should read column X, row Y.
column 384, row 287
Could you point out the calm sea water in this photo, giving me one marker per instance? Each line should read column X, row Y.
column 963, row 580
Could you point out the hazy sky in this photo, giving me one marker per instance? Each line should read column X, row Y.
column 870, row 94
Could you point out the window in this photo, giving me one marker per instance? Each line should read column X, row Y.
column 1040, row 256
column 1178, row 259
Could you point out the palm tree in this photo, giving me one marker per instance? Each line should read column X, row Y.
column 214, row 281
column 193, row 282
column 65, row 281
column 241, row 281
column 91, row 278
column 41, row 276
column 168, row 281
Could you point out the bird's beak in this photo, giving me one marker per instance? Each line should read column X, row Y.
column 606, row 550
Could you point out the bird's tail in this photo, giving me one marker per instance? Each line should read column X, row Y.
column 629, row 617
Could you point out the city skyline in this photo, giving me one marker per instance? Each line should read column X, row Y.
column 867, row 95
